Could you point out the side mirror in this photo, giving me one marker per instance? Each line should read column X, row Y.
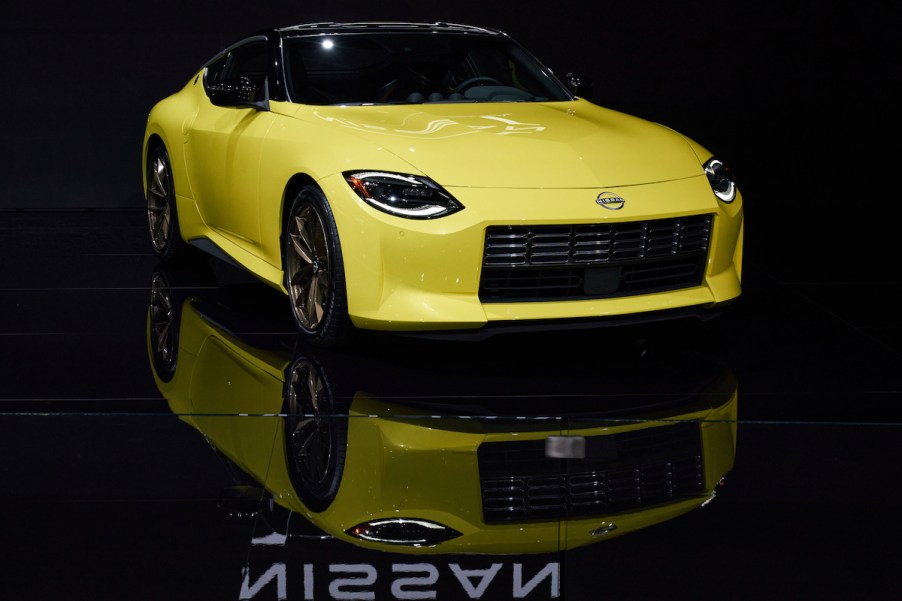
column 240, row 92
column 579, row 86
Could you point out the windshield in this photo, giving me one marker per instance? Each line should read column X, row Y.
column 400, row 68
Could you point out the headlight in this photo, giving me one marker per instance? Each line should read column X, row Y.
column 403, row 531
column 403, row 195
column 721, row 180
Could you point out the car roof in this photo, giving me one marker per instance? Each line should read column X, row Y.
column 384, row 26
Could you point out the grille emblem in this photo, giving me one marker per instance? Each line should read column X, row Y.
column 610, row 201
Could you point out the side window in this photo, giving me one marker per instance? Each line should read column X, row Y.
column 247, row 60
column 214, row 73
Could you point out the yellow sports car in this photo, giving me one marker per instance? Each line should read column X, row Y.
column 445, row 465
column 438, row 179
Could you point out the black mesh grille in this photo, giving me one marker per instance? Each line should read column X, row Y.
column 597, row 260
column 621, row 471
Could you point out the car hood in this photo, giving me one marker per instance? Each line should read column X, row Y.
column 519, row 145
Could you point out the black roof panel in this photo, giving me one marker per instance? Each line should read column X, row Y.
column 384, row 26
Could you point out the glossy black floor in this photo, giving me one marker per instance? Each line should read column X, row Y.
column 138, row 465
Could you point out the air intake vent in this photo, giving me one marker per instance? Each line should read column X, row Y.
column 593, row 260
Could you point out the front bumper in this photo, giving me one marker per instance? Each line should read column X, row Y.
column 424, row 275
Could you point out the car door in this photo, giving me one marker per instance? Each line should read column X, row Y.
column 224, row 146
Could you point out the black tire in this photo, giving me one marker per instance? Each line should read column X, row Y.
column 162, row 216
column 316, row 434
column 314, row 271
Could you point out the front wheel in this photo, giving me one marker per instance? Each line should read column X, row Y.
column 314, row 271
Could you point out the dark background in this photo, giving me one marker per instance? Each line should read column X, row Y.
column 798, row 96
column 104, row 494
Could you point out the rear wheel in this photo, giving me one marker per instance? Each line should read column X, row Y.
column 314, row 271
column 162, row 217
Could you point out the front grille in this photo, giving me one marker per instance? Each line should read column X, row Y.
column 621, row 471
column 598, row 260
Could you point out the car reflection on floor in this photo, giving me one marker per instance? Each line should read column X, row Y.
column 351, row 448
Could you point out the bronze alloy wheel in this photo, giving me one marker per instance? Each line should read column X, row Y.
column 314, row 272
column 162, row 217
column 308, row 273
